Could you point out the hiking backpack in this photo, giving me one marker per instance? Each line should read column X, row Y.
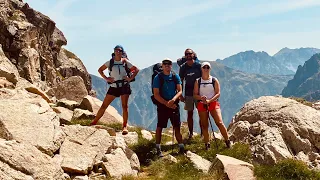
column 212, row 82
column 182, row 60
column 157, row 69
column 128, row 71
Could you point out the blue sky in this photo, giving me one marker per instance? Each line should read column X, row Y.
column 151, row 30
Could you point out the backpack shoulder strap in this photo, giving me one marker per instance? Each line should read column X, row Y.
column 161, row 80
column 199, row 83
column 111, row 64
column 174, row 77
column 213, row 80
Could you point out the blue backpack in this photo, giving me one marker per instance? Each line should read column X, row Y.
column 157, row 70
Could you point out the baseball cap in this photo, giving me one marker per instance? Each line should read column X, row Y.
column 206, row 64
column 166, row 60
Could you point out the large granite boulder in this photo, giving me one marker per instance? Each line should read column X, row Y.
column 83, row 147
column 24, row 161
column 28, row 118
column 230, row 168
column 93, row 104
column 72, row 88
column 68, row 64
column 277, row 128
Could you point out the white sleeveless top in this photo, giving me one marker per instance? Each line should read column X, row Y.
column 206, row 88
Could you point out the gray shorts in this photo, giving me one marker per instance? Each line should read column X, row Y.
column 189, row 103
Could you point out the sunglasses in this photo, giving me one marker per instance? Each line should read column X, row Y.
column 118, row 50
column 167, row 63
column 205, row 67
column 188, row 53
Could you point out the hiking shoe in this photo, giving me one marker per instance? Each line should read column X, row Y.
column 181, row 150
column 159, row 153
column 124, row 131
column 207, row 145
column 228, row 144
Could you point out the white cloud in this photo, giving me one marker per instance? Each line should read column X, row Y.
column 150, row 20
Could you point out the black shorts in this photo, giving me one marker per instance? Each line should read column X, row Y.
column 165, row 113
column 117, row 92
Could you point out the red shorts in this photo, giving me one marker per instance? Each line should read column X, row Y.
column 213, row 105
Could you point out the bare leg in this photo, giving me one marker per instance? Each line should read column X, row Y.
column 158, row 135
column 178, row 134
column 204, row 125
column 124, row 102
column 216, row 114
column 106, row 102
column 190, row 123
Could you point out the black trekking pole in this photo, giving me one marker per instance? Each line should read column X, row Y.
column 172, row 133
column 215, row 140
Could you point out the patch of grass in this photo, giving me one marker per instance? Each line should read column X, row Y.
column 128, row 177
column 184, row 169
column 285, row 170
column 82, row 122
column 145, row 151
column 238, row 150
column 302, row 101
column 116, row 126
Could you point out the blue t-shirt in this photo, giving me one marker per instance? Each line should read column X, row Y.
column 168, row 90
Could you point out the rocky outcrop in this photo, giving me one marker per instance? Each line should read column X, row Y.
column 306, row 81
column 4, row 83
column 24, row 161
column 64, row 114
column 32, row 42
column 199, row 162
column 117, row 165
column 72, row 88
column 277, row 128
column 7, row 69
column 27, row 117
column 68, row 64
column 230, row 168
column 83, row 147
column 316, row 105
column 92, row 104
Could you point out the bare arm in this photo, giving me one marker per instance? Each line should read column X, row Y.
column 101, row 69
column 216, row 90
column 158, row 97
column 136, row 70
column 179, row 93
column 196, row 91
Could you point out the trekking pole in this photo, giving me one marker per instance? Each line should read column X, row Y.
column 172, row 133
column 214, row 137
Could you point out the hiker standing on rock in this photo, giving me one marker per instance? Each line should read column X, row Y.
column 120, row 76
column 167, row 90
column 189, row 72
column 207, row 92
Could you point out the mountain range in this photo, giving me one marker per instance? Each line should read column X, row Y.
column 306, row 82
column 285, row 62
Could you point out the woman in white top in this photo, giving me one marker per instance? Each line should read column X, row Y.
column 207, row 94
column 119, row 84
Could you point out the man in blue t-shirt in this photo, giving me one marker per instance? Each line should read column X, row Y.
column 167, row 90
column 189, row 72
